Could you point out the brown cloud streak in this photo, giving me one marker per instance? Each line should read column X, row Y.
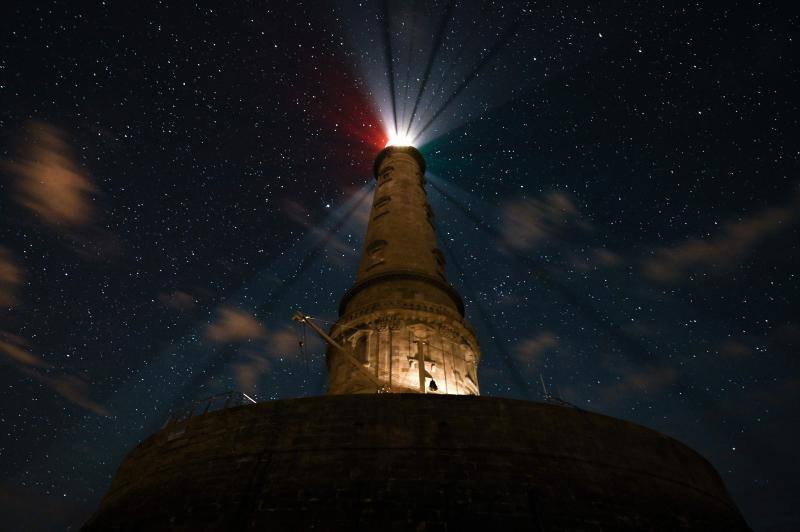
column 70, row 387
column 718, row 254
column 234, row 325
column 49, row 181
column 528, row 222
column 257, row 349
column 10, row 278
column 530, row 349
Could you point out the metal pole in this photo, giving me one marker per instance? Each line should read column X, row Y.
column 421, row 363
column 347, row 355
column 250, row 398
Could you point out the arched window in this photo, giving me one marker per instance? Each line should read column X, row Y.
column 361, row 349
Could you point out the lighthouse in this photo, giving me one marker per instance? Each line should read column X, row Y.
column 402, row 321
column 403, row 440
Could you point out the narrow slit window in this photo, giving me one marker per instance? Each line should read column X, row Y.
column 375, row 252
column 439, row 258
column 430, row 215
column 385, row 175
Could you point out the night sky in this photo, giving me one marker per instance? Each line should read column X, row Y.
column 616, row 189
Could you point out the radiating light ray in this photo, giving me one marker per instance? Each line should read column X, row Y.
column 434, row 54
column 189, row 357
column 451, row 66
column 485, row 60
column 387, row 43
column 409, row 59
column 462, row 34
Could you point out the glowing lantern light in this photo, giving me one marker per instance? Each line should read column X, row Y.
column 400, row 139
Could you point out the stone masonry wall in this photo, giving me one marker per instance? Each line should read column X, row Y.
column 413, row 462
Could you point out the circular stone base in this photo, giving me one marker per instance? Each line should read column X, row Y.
column 413, row 462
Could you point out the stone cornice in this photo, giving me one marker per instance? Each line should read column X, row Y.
column 398, row 275
column 410, row 150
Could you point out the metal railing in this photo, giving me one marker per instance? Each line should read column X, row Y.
column 200, row 407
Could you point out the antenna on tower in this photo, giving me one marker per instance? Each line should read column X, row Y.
column 550, row 398
column 544, row 388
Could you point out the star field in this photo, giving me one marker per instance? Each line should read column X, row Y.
column 616, row 191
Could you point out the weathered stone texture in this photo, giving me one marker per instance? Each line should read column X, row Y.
column 401, row 311
column 413, row 462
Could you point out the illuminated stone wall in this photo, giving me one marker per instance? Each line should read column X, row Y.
column 387, row 337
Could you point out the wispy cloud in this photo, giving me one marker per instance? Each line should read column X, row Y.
column 71, row 387
column 257, row 348
column 256, row 360
column 249, row 368
column 339, row 250
column 606, row 257
column 719, row 253
column 11, row 276
column 283, row 342
column 16, row 352
column 636, row 382
column 530, row 350
column 786, row 337
column 16, row 349
column 234, row 325
column 50, row 183
column 528, row 222
column 651, row 380
column 178, row 300
column 735, row 349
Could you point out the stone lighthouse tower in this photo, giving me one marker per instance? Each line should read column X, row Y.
column 401, row 320
column 430, row 455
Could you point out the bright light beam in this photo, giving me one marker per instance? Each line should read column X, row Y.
column 400, row 139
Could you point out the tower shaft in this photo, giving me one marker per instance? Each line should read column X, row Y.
column 401, row 319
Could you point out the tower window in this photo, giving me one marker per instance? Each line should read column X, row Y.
column 385, row 175
column 380, row 203
column 375, row 252
column 430, row 215
column 439, row 257
column 375, row 246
